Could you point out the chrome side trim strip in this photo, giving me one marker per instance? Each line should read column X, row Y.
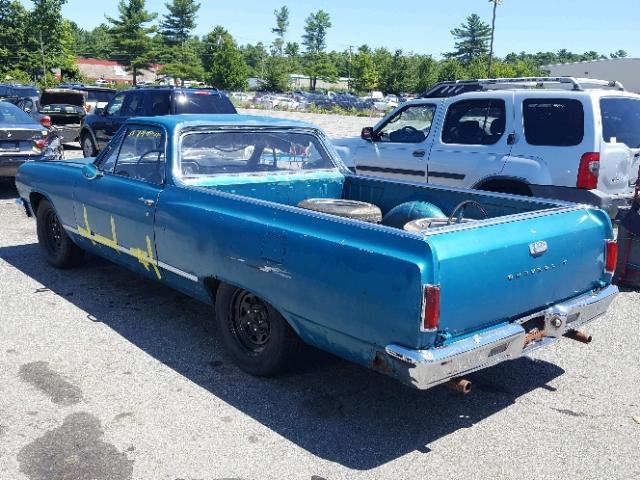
column 126, row 251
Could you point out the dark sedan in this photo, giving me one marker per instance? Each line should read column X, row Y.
column 22, row 139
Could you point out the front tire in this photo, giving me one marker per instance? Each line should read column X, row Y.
column 256, row 337
column 88, row 146
column 59, row 250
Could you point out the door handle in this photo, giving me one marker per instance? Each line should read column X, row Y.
column 418, row 153
column 148, row 202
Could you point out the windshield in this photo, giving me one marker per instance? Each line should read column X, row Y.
column 205, row 154
column 11, row 114
column 621, row 120
column 100, row 96
column 202, row 101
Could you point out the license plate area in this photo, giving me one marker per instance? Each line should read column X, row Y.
column 6, row 146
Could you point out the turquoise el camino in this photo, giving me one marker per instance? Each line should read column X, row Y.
column 259, row 218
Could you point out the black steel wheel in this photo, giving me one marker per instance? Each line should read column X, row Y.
column 59, row 250
column 256, row 337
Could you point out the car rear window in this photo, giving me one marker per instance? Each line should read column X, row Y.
column 100, row 96
column 621, row 120
column 202, row 101
column 556, row 122
column 11, row 114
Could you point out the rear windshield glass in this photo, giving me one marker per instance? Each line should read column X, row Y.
column 99, row 96
column 557, row 122
column 202, row 101
column 223, row 153
column 12, row 114
column 621, row 120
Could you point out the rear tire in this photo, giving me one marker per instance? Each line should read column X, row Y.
column 59, row 250
column 256, row 337
column 88, row 146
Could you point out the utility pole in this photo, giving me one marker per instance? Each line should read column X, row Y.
column 44, row 64
column 493, row 30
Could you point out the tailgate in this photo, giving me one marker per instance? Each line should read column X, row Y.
column 19, row 141
column 489, row 274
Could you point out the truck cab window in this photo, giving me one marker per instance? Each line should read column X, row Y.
column 142, row 156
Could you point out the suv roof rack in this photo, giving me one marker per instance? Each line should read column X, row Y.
column 457, row 87
column 176, row 86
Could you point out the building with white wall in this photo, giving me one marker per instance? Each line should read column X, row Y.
column 624, row 70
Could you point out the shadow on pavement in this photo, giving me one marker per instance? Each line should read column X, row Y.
column 8, row 189
column 333, row 409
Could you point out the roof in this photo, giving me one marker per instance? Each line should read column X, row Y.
column 226, row 120
column 597, row 60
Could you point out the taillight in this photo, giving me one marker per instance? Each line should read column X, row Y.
column 45, row 121
column 41, row 143
column 588, row 171
column 431, row 308
column 87, row 107
column 610, row 256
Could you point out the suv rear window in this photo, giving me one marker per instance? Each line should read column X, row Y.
column 621, row 120
column 475, row 122
column 202, row 101
column 557, row 122
column 100, row 96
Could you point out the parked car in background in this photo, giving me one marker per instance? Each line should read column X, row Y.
column 243, row 214
column 13, row 92
column 98, row 128
column 59, row 108
column 565, row 138
column 22, row 139
column 96, row 96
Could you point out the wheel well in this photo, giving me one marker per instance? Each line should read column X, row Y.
column 34, row 200
column 506, row 185
column 212, row 284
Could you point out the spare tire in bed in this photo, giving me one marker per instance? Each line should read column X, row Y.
column 363, row 211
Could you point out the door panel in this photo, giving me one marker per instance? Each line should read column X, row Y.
column 473, row 142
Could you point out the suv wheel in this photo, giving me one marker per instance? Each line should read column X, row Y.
column 88, row 147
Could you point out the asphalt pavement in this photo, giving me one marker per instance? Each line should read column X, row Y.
column 109, row 376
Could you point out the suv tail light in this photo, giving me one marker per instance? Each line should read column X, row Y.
column 430, row 308
column 588, row 171
column 610, row 256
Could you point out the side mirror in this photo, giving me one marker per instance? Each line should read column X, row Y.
column 367, row 134
column 91, row 172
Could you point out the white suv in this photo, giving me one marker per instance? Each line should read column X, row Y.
column 571, row 139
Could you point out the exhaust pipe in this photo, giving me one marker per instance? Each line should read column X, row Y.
column 460, row 385
column 578, row 336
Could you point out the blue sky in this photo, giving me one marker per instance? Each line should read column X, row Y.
column 421, row 26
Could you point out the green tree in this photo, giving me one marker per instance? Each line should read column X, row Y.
column 255, row 57
column 176, row 26
column 451, row 69
column 365, row 74
column 399, row 77
column 618, row 54
column 292, row 52
column 426, row 74
column 314, row 39
column 471, row 39
column 13, row 26
column 94, row 44
column 282, row 24
column 275, row 78
column 131, row 35
column 183, row 62
column 224, row 64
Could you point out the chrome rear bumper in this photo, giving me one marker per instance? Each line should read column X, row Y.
column 426, row 368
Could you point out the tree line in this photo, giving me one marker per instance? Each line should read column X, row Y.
column 34, row 41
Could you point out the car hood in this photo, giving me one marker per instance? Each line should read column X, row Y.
column 62, row 97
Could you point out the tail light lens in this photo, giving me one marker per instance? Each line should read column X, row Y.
column 610, row 256
column 588, row 171
column 431, row 308
column 40, row 143
column 87, row 107
column 45, row 121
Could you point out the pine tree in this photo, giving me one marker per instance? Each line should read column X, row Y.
column 282, row 24
column 224, row 64
column 131, row 37
column 176, row 26
column 314, row 40
column 472, row 39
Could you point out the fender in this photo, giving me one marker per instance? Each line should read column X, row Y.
column 492, row 178
column 533, row 170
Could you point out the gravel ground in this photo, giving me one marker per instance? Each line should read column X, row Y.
column 105, row 375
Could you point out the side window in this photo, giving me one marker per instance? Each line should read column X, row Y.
column 133, row 105
column 116, row 105
column 142, row 155
column 410, row 125
column 107, row 161
column 557, row 122
column 475, row 122
column 158, row 103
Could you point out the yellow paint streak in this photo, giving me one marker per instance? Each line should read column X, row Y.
column 145, row 257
